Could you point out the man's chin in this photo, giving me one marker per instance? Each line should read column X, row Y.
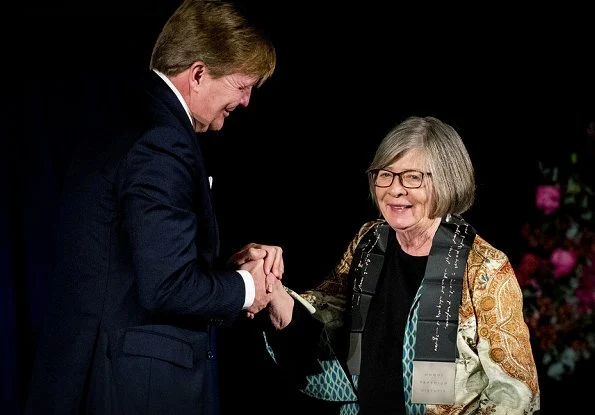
column 216, row 125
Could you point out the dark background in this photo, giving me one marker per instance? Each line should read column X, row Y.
column 289, row 169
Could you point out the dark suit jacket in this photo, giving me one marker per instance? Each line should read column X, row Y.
column 136, row 294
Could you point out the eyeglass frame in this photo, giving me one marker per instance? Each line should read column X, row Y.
column 375, row 176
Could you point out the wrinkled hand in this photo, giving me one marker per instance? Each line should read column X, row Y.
column 272, row 255
column 280, row 307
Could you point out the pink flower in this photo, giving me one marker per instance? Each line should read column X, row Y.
column 547, row 198
column 557, row 275
column 564, row 261
column 529, row 265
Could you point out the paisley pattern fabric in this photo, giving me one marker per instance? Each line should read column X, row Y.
column 495, row 370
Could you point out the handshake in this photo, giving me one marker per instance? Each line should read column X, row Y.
column 265, row 264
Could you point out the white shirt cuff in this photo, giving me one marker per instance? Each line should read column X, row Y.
column 250, row 290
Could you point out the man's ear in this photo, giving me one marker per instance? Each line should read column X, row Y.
column 197, row 73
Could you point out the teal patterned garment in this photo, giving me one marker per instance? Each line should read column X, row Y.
column 408, row 356
column 332, row 384
column 351, row 408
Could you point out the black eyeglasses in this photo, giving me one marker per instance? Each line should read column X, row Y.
column 410, row 179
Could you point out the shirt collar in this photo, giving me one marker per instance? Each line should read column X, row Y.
column 173, row 88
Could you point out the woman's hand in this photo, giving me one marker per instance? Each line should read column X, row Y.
column 281, row 306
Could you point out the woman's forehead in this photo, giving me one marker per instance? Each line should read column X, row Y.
column 412, row 158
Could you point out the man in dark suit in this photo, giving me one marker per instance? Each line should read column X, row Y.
column 139, row 289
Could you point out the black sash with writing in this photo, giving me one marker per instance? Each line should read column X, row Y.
column 366, row 265
column 440, row 296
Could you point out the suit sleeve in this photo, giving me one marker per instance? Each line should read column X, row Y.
column 167, row 216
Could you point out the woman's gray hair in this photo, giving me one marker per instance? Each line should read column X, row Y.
column 446, row 158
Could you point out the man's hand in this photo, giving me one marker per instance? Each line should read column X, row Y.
column 272, row 255
column 263, row 284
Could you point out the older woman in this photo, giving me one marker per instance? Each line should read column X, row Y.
column 421, row 315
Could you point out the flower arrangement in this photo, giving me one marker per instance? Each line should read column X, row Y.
column 557, row 272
